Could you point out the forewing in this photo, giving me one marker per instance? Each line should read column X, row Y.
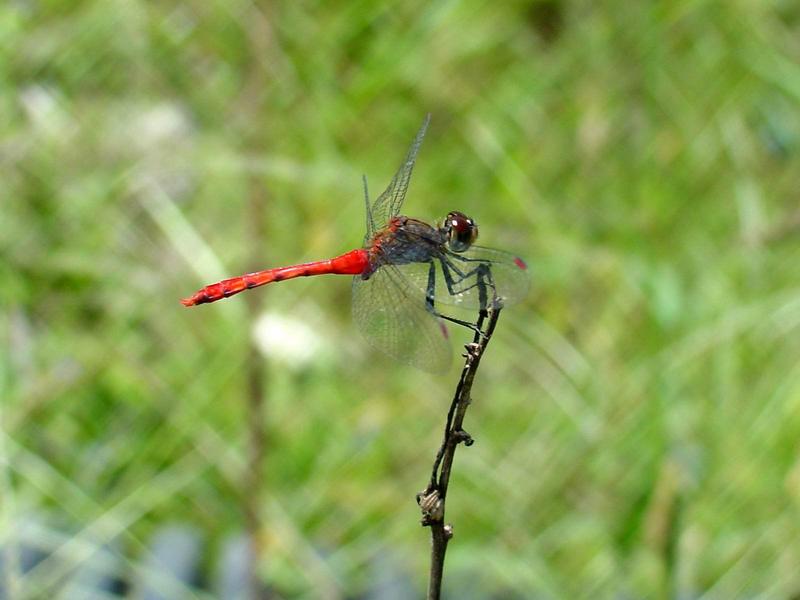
column 395, row 321
column 509, row 279
column 389, row 202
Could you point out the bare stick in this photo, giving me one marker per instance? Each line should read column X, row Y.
column 432, row 499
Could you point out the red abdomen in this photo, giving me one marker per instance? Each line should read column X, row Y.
column 351, row 263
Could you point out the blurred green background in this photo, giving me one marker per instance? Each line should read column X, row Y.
column 637, row 418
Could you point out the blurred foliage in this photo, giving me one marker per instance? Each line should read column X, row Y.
column 637, row 418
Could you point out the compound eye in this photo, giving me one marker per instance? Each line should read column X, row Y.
column 461, row 231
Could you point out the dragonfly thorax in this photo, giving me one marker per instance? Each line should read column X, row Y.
column 459, row 230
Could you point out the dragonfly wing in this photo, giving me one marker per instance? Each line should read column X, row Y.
column 394, row 320
column 508, row 277
column 389, row 202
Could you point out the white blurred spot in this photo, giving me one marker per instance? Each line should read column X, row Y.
column 287, row 339
column 42, row 108
column 159, row 124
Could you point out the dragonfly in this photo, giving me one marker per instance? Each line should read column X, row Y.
column 404, row 273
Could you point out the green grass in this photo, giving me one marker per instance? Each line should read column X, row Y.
column 636, row 418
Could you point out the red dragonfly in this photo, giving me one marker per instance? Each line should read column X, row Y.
column 403, row 273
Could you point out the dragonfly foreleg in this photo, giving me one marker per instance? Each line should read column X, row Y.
column 429, row 301
column 483, row 280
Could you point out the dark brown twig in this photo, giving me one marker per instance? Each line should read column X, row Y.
column 432, row 499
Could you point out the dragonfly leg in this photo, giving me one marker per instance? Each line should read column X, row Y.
column 429, row 302
column 484, row 267
column 484, row 280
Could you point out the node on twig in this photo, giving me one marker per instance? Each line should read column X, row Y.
column 432, row 506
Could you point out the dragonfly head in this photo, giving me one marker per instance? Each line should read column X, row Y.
column 460, row 231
